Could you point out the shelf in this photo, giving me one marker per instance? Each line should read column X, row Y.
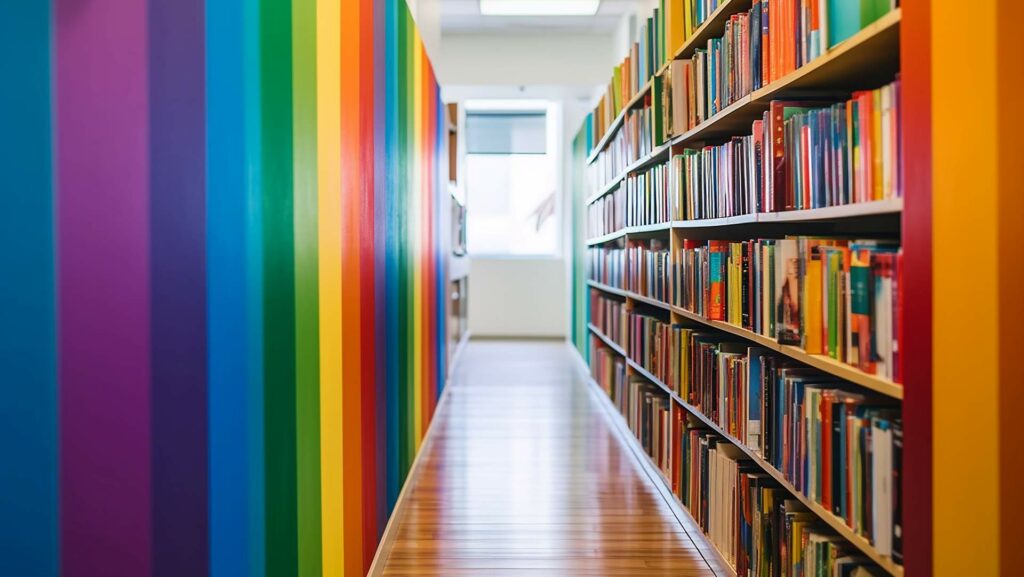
column 875, row 208
column 606, row 238
column 617, row 123
column 606, row 340
column 836, row 523
column 844, row 211
column 821, row 362
column 608, row 289
column 608, row 187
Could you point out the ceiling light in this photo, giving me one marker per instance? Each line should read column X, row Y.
column 539, row 7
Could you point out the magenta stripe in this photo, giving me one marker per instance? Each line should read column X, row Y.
column 103, row 215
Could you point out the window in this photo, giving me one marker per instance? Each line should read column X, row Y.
column 510, row 179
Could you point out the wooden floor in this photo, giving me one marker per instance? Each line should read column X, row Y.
column 525, row 475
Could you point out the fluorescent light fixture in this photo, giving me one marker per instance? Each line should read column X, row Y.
column 539, row 7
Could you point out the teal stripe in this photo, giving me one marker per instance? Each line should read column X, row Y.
column 28, row 412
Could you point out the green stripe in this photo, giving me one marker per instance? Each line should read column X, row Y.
column 279, row 288
column 401, row 193
column 307, row 310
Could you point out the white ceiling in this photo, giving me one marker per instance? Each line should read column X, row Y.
column 463, row 16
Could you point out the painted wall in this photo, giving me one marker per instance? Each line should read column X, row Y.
column 220, row 282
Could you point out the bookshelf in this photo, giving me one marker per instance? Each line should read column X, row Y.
column 867, row 59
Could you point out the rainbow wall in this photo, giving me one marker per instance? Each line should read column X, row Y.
column 221, row 283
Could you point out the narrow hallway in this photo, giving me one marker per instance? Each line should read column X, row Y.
column 509, row 485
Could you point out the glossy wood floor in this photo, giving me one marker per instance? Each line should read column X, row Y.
column 525, row 475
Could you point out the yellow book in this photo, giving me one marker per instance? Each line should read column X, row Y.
column 876, row 144
column 687, row 19
column 812, row 303
column 675, row 34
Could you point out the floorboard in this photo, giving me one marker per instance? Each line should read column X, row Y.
column 524, row 475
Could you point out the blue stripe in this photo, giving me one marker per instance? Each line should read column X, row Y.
column 391, row 244
column 227, row 211
column 28, row 411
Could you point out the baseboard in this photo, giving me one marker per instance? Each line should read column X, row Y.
column 618, row 423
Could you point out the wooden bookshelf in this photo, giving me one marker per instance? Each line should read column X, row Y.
column 868, row 59
column 835, row 522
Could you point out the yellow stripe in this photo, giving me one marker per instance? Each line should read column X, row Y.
column 965, row 244
column 329, row 221
column 418, row 224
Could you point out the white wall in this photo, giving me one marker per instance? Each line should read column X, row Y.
column 517, row 297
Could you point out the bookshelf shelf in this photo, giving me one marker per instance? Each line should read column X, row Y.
column 820, row 362
column 660, row 153
column 606, row 238
column 876, row 208
column 836, row 523
column 617, row 123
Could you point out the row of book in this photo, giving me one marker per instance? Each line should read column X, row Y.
column 757, row 526
column 648, row 413
column 647, row 269
column 608, row 314
column 606, row 366
column 831, row 297
column 799, row 155
column 607, row 214
column 635, row 140
column 643, row 199
column 607, row 265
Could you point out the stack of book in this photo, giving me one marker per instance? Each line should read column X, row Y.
column 647, row 267
column 829, row 296
column 607, row 265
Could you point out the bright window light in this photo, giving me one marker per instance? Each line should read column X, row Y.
column 539, row 7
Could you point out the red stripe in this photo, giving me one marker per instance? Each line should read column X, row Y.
column 915, row 39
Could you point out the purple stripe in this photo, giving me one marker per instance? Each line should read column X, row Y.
column 178, row 269
column 103, row 215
